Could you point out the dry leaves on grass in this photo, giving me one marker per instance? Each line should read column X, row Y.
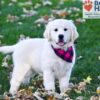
column 80, row 98
column 94, row 97
column 81, row 87
column 47, row 2
column 28, row 13
column 44, row 19
column 5, row 61
column 88, row 80
column 24, row 4
column 68, row 11
column 42, row 94
column 12, row 18
column 60, row 12
column 80, row 20
column 37, row 5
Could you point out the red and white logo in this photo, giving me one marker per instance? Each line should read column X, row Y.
column 87, row 5
column 91, row 9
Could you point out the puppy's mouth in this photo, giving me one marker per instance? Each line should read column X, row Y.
column 61, row 43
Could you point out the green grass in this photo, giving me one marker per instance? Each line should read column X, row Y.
column 88, row 45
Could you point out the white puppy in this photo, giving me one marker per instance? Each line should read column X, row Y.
column 39, row 55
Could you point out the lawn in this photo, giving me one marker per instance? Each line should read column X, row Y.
column 17, row 19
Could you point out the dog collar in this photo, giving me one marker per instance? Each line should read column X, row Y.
column 65, row 55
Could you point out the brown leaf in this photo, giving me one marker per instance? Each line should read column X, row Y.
column 29, row 91
column 51, row 97
column 12, row 18
column 94, row 98
column 82, row 86
column 7, row 98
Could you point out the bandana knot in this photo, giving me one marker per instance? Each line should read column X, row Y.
column 65, row 55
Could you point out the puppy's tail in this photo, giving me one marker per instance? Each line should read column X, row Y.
column 7, row 49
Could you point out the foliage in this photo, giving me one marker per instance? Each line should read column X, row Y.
column 27, row 18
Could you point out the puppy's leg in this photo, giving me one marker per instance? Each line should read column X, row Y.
column 19, row 72
column 48, row 78
column 27, row 77
column 64, row 81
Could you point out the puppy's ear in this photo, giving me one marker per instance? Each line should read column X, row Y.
column 46, row 33
column 74, row 33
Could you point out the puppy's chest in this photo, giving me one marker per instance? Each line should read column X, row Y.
column 60, row 68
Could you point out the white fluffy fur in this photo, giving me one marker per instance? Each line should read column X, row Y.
column 37, row 55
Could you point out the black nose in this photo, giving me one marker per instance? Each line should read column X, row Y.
column 61, row 37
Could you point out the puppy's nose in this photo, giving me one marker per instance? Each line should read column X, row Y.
column 61, row 37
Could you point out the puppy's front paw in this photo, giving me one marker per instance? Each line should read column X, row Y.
column 50, row 92
column 12, row 92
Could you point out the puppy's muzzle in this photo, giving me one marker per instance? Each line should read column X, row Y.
column 61, row 38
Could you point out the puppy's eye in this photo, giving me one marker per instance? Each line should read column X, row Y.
column 55, row 29
column 65, row 29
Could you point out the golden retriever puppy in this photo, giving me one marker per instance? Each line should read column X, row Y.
column 52, row 56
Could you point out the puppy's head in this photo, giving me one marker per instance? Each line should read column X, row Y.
column 61, row 32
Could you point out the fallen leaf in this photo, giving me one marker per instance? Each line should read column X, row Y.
column 61, row 2
column 5, row 61
column 68, row 98
column 2, row 2
column 10, row 4
column 99, row 77
column 7, row 98
column 99, row 57
column 12, row 18
column 71, row 85
column 88, row 79
column 14, row 1
column 5, row 64
column 80, row 20
column 38, row 96
column 20, row 23
column 61, row 13
column 28, row 13
column 51, row 97
column 28, row 3
column 1, row 36
column 46, row 2
column 29, row 90
column 94, row 98
column 80, row 98
column 98, row 90
column 78, row 91
column 80, row 57
column 75, row 9
column 82, row 86
column 37, row 5
column 44, row 19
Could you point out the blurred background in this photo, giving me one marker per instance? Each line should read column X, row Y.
column 22, row 19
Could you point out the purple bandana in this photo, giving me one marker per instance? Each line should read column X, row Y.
column 65, row 55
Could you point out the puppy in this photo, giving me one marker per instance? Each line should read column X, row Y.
column 52, row 56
